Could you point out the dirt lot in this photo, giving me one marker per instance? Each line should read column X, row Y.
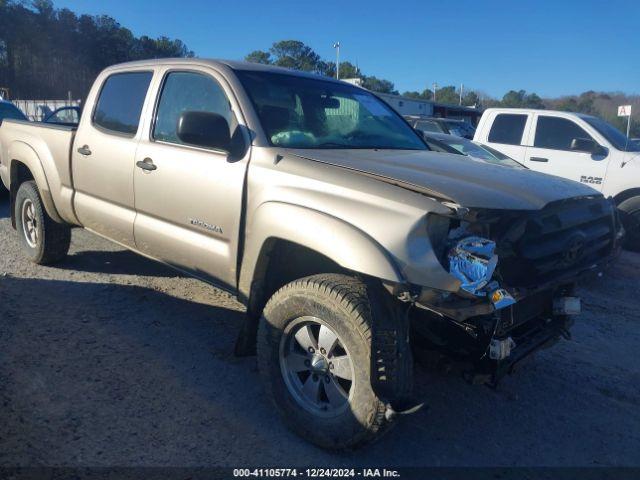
column 112, row 360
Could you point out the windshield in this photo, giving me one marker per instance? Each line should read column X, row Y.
column 612, row 134
column 9, row 110
column 458, row 130
column 429, row 126
column 475, row 150
column 468, row 128
column 298, row 112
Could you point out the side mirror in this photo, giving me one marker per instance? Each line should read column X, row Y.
column 204, row 129
column 587, row 145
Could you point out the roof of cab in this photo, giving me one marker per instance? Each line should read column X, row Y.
column 231, row 64
column 536, row 110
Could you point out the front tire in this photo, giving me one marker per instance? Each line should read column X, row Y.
column 630, row 216
column 43, row 240
column 315, row 354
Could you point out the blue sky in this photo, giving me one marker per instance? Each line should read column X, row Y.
column 548, row 47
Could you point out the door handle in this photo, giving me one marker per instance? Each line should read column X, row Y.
column 539, row 159
column 146, row 164
column 84, row 150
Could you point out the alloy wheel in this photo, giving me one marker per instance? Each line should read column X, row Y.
column 316, row 366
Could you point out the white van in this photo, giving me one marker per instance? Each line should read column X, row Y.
column 571, row 145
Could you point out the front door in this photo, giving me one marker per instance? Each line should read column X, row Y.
column 189, row 199
column 551, row 152
column 103, row 156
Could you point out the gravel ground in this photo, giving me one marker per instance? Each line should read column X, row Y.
column 112, row 360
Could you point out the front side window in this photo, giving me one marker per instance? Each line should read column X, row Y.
column 616, row 137
column 65, row 116
column 188, row 91
column 299, row 112
column 120, row 102
column 557, row 133
column 507, row 129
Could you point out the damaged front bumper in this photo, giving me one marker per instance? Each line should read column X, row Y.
column 460, row 330
column 517, row 273
column 538, row 334
column 486, row 347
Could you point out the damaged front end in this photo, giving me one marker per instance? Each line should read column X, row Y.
column 517, row 272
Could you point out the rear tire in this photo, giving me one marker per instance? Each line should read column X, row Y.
column 43, row 240
column 315, row 344
column 630, row 216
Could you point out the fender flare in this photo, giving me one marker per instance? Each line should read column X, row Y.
column 21, row 152
column 345, row 244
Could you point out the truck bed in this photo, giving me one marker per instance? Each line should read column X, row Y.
column 47, row 149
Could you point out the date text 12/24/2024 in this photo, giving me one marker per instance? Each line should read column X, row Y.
column 315, row 473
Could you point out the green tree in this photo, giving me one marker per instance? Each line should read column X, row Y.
column 586, row 102
column 534, row 101
column 448, row 94
column 514, row 98
column 520, row 99
column 347, row 70
column 426, row 94
column 471, row 98
column 568, row 104
column 259, row 56
column 296, row 55
column 46, row 52
column 380, row 85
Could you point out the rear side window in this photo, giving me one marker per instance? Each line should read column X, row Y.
column 188, row 91
column 557, row 133
column 120, row 102
column 507, row 128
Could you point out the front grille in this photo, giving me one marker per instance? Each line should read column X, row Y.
column 562, row 237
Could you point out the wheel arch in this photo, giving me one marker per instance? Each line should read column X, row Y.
column 286, row 242
column 320, row 236
column 626, row 195
column 23, row 166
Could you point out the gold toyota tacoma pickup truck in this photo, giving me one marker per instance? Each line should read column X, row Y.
column 314, row 202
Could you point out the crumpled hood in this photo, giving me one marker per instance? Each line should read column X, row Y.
column 470, row 183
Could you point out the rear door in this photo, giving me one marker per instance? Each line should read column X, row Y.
column 550, row 152
column 189, row 206
column 508, row 134
column 103, row 156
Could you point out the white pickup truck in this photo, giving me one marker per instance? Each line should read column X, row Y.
column 571, row 145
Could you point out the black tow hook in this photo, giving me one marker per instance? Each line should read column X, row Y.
column 406, row 407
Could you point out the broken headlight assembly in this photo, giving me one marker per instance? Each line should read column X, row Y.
column 493, row 320
column 467, row 253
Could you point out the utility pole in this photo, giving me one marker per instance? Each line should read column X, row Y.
column 461, row 90
column 626, row 143
column 435, row 87
column 337, row 47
